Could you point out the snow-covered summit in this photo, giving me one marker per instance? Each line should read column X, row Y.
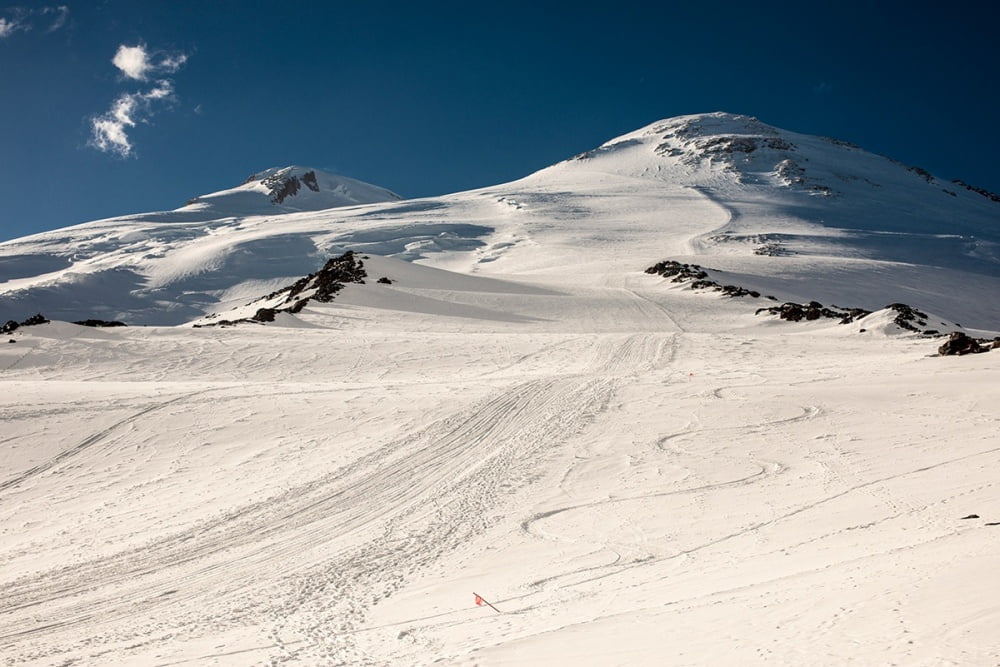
column 723, row 148
column 795, row 216
column 289, row 189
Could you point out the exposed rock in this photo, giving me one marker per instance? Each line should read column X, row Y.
column 321, row 286
column 841, row 142
column 264, row 315
column 11, row 326
column 909, row 318
column 283, row 185
column 772, row 249
column 100, row 323
column 979, row 191
column 734, row 290
column 921, row 172
column 281, row 188
column 309, row 178
column 679, row 272
column 697, row 277
column 796, row 312
column 331, row 278
column 384, row 281
column 959, row 344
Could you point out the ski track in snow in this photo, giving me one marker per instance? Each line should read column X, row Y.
column 408, row 502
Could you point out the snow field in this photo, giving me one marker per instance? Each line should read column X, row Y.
column 308, row 496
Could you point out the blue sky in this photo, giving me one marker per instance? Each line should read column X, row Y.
column 437, row 97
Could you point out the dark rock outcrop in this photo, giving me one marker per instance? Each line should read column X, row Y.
column 100, row 323
column 908, row 317
column 34, row 319
column 697, row 277
column 321, row 286
column 960, row 344
column 979, row 191
column 329, row 280
column 309, row 178
column 678, row 272
column 11, row 326
column 796, row 312
column 264, row 315
column 283, row 185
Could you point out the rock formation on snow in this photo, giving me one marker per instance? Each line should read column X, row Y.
column 321, row 286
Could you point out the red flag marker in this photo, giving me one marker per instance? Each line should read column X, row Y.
column 480, row 601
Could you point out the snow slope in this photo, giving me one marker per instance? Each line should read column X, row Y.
column 799, row 217
column 633, row 472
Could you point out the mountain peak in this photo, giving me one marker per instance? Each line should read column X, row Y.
column 285, row 182
column 289, row 189
column 724, row 150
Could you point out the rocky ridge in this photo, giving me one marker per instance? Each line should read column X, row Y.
column 321, row 286
column 907, row 317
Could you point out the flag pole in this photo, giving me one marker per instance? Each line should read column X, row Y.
column 481, row 600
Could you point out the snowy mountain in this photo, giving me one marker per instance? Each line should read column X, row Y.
column 799, row 217
column 572, row 419
column 287, row 190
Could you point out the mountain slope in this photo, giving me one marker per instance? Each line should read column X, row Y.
column 802, row 218
column 630, row 470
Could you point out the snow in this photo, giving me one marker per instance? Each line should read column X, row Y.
column 631, row 471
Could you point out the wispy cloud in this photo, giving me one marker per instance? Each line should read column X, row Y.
column 61, row 15
column 18, row 19
column 8, row 26
column 109, row 132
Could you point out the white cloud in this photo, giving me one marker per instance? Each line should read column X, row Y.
column 136, row 62
column 133, row 61
column 9, row 26
column 109, row 131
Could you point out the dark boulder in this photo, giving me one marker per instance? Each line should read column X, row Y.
column 264, row 315
column 958, row 344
